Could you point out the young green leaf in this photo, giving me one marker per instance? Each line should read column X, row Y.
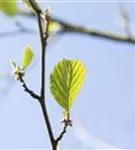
column 9, row 7
column 27, row 57
column 53, row 26
column 65, row 82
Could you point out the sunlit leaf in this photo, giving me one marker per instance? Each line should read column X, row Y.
column 9, row 7
column 65, row 82
column 53, row 26
column 27, row 57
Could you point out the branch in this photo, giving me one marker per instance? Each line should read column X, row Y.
column 22, row 28
column 43, row 41
column 14, row 33
column 30, row 92
column 62, row 132
column 70, row 28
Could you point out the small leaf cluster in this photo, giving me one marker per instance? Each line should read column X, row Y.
column 66, row 79
column 18, row 71
column 67, row 76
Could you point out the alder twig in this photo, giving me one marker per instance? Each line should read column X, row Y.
column 30, row 92
column 62, row 132
column 43, row 41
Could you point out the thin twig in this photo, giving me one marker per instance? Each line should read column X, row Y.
column 30, row 92
column 62, row 133
column 21, row 29
column 43, row 41
column 16, row 33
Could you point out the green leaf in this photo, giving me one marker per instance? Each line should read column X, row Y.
column 9, row 7
column 66, row 80
column 27, row 57
column 15, row 67
column 53, row 26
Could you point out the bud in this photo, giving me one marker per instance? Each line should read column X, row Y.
column 67, row 121
column 18, row 74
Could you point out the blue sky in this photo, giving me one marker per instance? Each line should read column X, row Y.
column 104, row 110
